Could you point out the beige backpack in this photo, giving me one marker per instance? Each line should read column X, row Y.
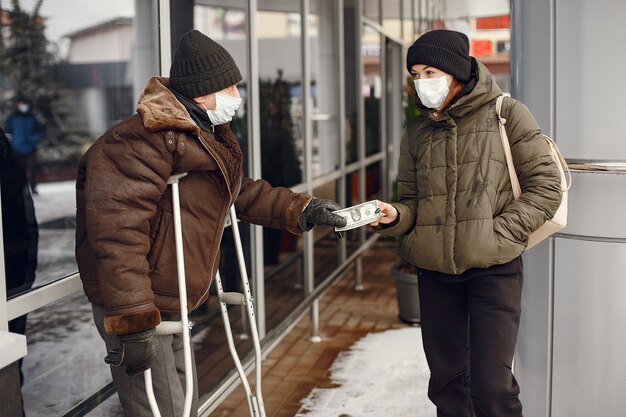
column 559, row 220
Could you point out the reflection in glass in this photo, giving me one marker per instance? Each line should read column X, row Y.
column 326, row 246
column 371, row 88
column 488, row 28
column 64, row 365
column 352, row 198
column 409, row 9
column 392, row 23
column 371, row 9
column 78, row 76
column 282, row 146
column 373, row 185
column 324, row 86
column 351, row 82
column 280, row 106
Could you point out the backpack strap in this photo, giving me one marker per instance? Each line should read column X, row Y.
column 554, row 151
column 517, row 190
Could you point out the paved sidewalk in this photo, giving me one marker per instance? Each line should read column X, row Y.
column 296, row 366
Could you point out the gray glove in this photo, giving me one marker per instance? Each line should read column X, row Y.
column 320, row 212
column 137, row 352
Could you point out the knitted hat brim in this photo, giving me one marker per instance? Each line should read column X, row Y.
column 203, row 84
column 459, row 66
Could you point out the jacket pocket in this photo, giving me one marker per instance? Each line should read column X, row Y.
column 158, row 233
column 507, row 249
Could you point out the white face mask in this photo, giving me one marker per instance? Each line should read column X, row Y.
column 22, row 107
column 225, row 108
column 432, row 91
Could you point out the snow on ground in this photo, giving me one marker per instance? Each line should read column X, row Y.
column 55, row 200
column 383, row 374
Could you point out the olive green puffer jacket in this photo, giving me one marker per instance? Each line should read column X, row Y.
column 456, row 206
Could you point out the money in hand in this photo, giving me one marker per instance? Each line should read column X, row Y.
column 359, row 215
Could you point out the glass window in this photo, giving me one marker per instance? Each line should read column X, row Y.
column 371, row 9
column 64, row 365
column 326, row 246
column 79, row 67
column 324, row 86
column 280, row 101
column 282, row 145
column 371, row 88
column 392, row 22
column 488, row 28
column 409, row 10
column 351, row 82
column 80, row 70
column 373, row 186
column 352, row 198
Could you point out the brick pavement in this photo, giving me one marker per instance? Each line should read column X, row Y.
column 296, row 366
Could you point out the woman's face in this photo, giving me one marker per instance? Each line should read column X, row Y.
column 421, row 71
column 209, row 99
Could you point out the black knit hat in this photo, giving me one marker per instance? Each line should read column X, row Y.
column 447, row 50
column 201, row 66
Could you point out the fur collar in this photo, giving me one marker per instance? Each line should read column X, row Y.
column 160, row 110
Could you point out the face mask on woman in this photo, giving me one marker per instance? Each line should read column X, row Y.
column 432, row 91
column 225, row 108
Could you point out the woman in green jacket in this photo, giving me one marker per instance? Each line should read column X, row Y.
column 463, row 230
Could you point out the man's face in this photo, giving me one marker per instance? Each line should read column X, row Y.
column 23, row 106
column 209, row 100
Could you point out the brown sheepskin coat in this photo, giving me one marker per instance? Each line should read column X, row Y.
column 125, row 235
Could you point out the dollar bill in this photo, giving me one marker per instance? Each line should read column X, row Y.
column 358, row 215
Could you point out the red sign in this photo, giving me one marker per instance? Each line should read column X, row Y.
column 493, row 22
column 481, row 47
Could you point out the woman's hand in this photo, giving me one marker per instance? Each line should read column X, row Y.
column 388, row 214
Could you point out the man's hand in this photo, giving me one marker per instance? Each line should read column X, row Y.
column 137, row 352
column 320, row 212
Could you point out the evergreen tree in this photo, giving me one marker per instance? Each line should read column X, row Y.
column 25, row 56
column 25, row 61
column 279, row 160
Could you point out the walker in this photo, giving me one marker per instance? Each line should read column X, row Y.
column 255, row 401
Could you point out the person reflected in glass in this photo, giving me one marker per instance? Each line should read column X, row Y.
column 461, row 226
column 20, row 238
column 125, row 246
column 25, row 133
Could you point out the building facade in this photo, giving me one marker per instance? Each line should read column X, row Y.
column 331, row 73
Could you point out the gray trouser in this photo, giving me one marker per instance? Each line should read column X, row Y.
column 168, row 376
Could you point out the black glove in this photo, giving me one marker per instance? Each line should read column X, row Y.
column 320, row 212
column 137, row 353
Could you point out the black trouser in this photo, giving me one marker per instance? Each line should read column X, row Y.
column 29, row 163
column 469, row 330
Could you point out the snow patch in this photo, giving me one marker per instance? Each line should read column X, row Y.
column 383, row 374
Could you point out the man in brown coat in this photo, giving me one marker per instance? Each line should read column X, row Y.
column 124, row 237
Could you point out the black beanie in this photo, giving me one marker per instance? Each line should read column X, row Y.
column 201, row 66
column 446, row 50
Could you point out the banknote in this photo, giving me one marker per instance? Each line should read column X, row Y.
column 358, row 215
